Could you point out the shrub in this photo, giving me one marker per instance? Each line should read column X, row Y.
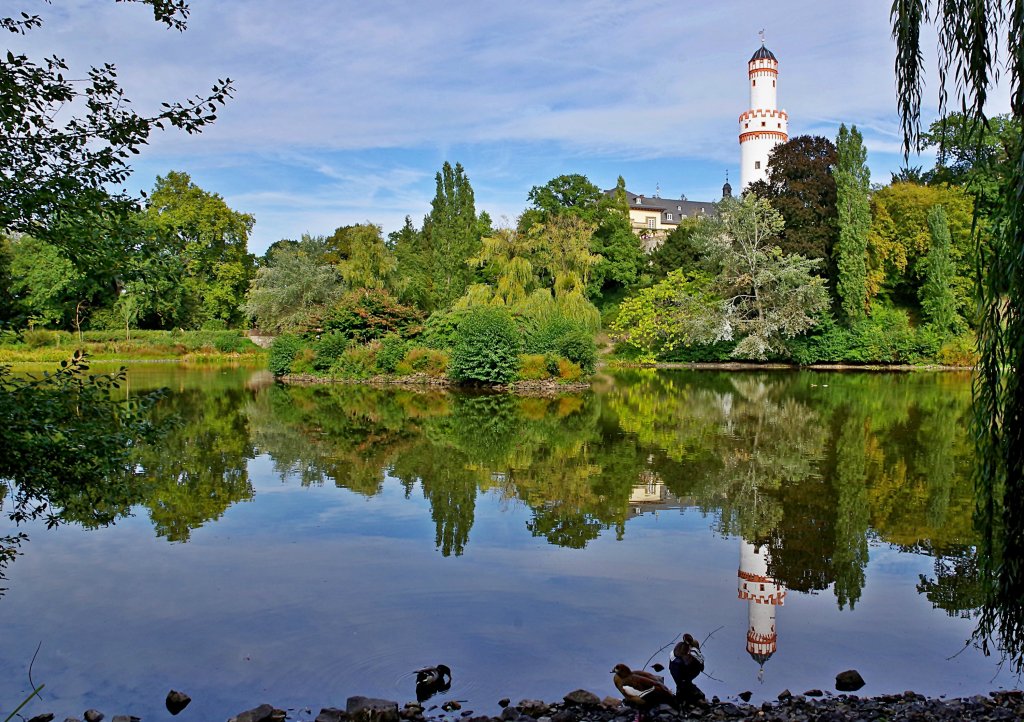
column 430, row 361
column 533, row 366
column 718, row 352
column 329, row 348
column 357, row 362
column 578, row 346
column 215, row 324
column 304, row 361
column 441, row 329
column 392, row 350
column 959, row 351
column 231, row 342
column 282, row 352
column 366, row 314
column 38, row 338
column 544, row 335
column 486, row 347
column 827, row 344
column 568, row 371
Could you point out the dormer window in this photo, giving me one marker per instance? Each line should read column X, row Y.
column 668, row 216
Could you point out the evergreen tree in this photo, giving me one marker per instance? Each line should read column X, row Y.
column 414, row 266
column 853, row 183
column 938, row 302
column 451, row 235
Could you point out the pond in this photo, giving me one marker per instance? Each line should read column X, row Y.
column 300, row 545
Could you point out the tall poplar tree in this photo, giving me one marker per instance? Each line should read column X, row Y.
column 451, row 235
column 853, row 183
column 938, row 302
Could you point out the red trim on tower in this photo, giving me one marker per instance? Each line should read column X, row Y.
column 755, row 577
column 757, row 134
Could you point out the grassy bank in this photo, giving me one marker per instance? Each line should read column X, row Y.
column 42, row 346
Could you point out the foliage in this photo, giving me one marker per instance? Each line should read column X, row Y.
column 802, row 189
column 568, row 371
column 679, row 250
column 578, row 346
column 441, row 329
column 487, row 347
column 44, row 281
column 414, row 268
column 885, row 337
column 294, row 285
column 451, row 236
column 282, row 352
column 357, row 362
column 900, row 238
column 391, row 352
column 533, row 366
column 938, row 300
column 961, row 350
column 328, row 348
column 365, row 314
column 853, row 215
column 429, row 361
column 211, row 240
column 681, row 310
column 58, row 165
column 370, row 263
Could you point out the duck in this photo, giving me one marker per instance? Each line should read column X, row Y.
column 431, row 680
column 685, row 666
column 641, row 689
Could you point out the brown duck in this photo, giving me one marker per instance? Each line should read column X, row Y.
column 640, row 689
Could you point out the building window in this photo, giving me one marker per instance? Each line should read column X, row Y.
column 773, row 83
column 754, row 83
column 652, row 222
column 757, row 165
column 763, row 123
column 746, row 125
column 668, row 216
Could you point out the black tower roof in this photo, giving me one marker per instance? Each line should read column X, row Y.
column 763, row 53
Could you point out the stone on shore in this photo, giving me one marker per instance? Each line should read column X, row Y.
column 263, row 713
column 369, row 709
column 176, row 701
column 93, row 715
column 849, row 681
column 45, row 717
column 331, row 714
column 583, row 698
column 125, row 718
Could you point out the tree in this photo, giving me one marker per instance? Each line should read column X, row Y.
column 769, row 295
column 801, row 188
column 451, row 234
column 44, row 281
column 413, row 264
column 969, row 54
column 853, row 210
column 572, row 193
column 295, row 285
column 678, row 251
column 210, row 238
column 938, row 301
column 57, row 165
column 900, row 237
column 370, row 263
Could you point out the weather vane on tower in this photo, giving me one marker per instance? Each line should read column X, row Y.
column 761, row 35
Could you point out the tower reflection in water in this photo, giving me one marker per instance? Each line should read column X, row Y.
column 763, row 595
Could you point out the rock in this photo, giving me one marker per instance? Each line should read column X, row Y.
column 813, row 693
column 45, row 717
column 504, row 702
column 532, row 707
column 611, row 702
column 849, row 681
column 331, row 714
column 368, row 709
column 583, row 698
column 784, row 695
column 745, row 696
column 451, row 705
column 566, row 716
column 509, row 713
column 176, row 701
column 72, row 719
column 125, row 718
column 263, row 713
column 93, row 715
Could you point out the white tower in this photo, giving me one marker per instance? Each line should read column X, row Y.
column 763, row 126
column 762, row 594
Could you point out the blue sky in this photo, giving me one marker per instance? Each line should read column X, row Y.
column 344, row 111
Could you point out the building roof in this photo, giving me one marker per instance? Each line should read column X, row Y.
column 763, row 53
column 677, row 206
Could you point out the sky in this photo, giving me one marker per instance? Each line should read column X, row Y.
column 344, row 111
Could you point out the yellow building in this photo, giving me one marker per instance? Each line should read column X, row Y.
column 653, row 217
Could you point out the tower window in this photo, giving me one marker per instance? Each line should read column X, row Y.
column 773, row 83
column 762, row 123
column 757, row 165
column 754, row 82
column 746, row 125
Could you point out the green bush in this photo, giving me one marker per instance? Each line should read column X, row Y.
column 304, row 361
column 486, row 347
column 959, row 351
column 419, row 360
column 441, row 329
column 829, row 343
column 283, row 352
column 215, row 324
column 392, row 350
column 568, row 371
column 578, row 346
column 357, row 362
column 41, row 337
column 545, row 335
column 329, row 348
column 708, row 353
column 231, row 342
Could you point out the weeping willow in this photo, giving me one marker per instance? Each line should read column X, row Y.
column 972, row 36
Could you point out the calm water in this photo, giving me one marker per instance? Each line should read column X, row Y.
column 300, row 545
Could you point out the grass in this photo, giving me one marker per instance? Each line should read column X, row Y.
column 199, row 346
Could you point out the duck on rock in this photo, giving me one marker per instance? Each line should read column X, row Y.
column 686, row 664
column 641, row 690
